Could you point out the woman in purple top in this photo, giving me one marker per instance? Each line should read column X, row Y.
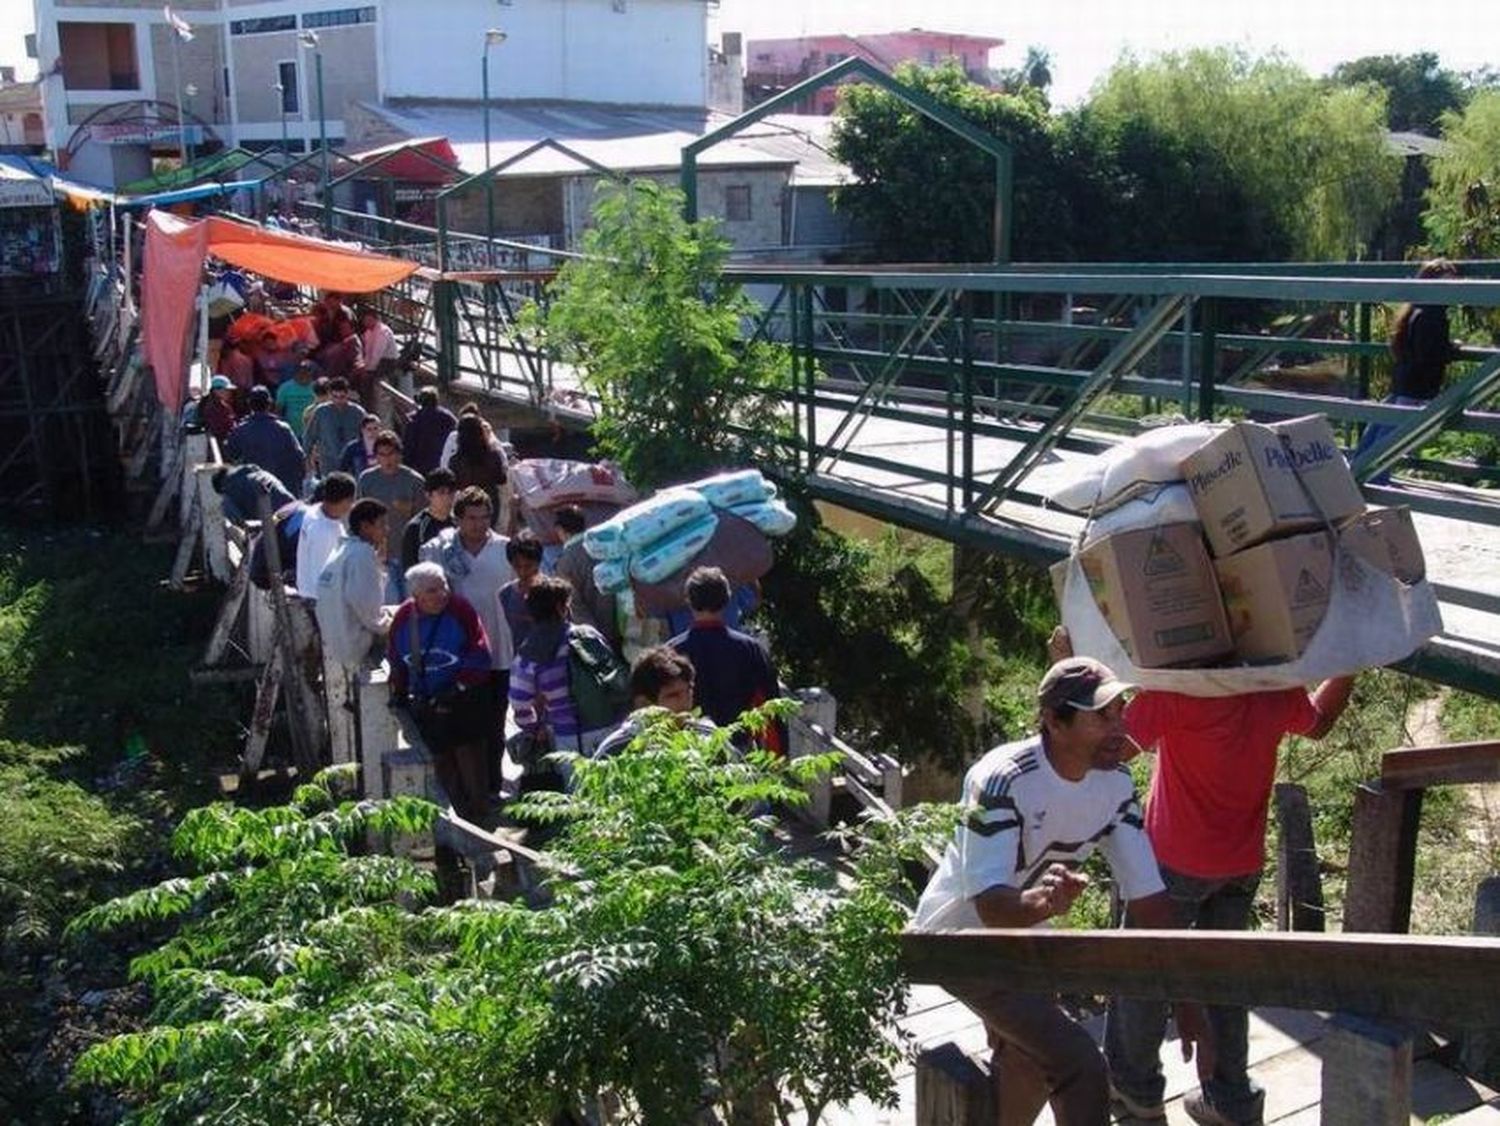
column 540, row 695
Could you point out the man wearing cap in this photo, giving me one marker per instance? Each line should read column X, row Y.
column 216, row 409
column 1206, row 820
column 263, row 439
column 1034, row 810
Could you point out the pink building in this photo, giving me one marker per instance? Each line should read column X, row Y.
column 773, row 65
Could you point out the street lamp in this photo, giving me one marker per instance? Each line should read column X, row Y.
column 309, row 39
column 281, row 101
column 189, row 91
column 182, row 32
column 492, row 38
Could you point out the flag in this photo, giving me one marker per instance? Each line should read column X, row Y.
column 183, row 29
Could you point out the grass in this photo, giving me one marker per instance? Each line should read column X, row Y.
column 103, row 740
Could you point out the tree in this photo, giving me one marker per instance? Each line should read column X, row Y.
column 1195, row 156
column 657, row 334
column 1418, row 89
column 1034, row 73
column 1310, row 161
column 1463, row 204
column 926, row 194
column 685, row 963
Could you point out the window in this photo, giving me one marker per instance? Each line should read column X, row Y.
column 286, row 74
column 339, row 17
column 262, row 25
column 737, row 203
column 98, row 56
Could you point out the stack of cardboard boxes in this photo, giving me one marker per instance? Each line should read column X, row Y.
column 1270, row 502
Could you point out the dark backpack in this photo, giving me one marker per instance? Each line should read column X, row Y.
column 598, row 680
column 286, row 522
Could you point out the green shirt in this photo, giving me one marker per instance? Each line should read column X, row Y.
column 292, row 399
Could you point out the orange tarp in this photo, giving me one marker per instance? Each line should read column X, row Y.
column 173, row 270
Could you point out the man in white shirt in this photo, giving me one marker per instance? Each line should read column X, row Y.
column 322, row 528
column 473, row 556
column 1034, row 810
column 382, row 353
column 351, row 617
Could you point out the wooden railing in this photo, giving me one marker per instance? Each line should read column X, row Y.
column 1377, row 987
column 1387, row 818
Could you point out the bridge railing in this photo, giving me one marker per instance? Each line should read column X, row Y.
column 1377, row 987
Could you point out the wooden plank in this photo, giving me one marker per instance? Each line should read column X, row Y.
column 211, row 520
column 1413, row 768
column 267, row 692
column 1486, row 1114
column 1384, row 977
column 1382, row 860
column 229, row 614
column 1299, row 890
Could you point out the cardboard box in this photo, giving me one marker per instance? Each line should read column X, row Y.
column 1245, row 483
column 1386, row 539
column 1276, row 595
column 1156, row 589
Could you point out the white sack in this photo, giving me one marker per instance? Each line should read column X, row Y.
column 1135, row 465
column 1162, row 504
column 1373, row 619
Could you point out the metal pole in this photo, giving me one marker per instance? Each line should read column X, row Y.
column 489, row 196
column 177, row 82
column 323, row 143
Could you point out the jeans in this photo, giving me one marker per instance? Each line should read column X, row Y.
column 1041, row 1055
column 395, row 582
column 1134, row 1029
column 1377, row 432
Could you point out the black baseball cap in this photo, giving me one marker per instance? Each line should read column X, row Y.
column 1080, row 682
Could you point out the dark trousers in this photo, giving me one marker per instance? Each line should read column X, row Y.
column 1134, row 1029
column 1041, row 1054
column 495, row 744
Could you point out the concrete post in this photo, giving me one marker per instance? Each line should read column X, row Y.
column 1366, row 1074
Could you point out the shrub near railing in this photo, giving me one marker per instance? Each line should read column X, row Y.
column 685, row 964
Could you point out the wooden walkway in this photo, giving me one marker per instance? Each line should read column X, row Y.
column 1284, row 1058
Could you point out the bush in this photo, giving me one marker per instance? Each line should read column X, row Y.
column 685, row 963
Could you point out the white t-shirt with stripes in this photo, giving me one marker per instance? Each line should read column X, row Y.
column 1020, row 816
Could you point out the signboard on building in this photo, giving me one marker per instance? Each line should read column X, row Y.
column 145, row 133
column 21, row 189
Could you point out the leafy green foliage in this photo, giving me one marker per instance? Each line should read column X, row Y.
column 685, row 963
column 927, row 195
column 658, row 334
column 828, row 601
column 59, row 842
column 1310, row 159
column 1418, row 88
column 1463, row 203
column 1278, row 163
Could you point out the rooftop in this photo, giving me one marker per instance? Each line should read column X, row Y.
column 624, row 139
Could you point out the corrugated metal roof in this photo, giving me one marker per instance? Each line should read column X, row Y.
column 1415, row 144
column 623, row 138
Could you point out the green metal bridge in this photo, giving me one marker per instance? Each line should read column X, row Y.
column 949, row 399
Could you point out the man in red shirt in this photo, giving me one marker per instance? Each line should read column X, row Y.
column 1206, row 821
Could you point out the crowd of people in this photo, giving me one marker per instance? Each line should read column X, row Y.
column 404, row 547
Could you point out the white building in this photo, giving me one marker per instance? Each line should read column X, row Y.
column 115, row 70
